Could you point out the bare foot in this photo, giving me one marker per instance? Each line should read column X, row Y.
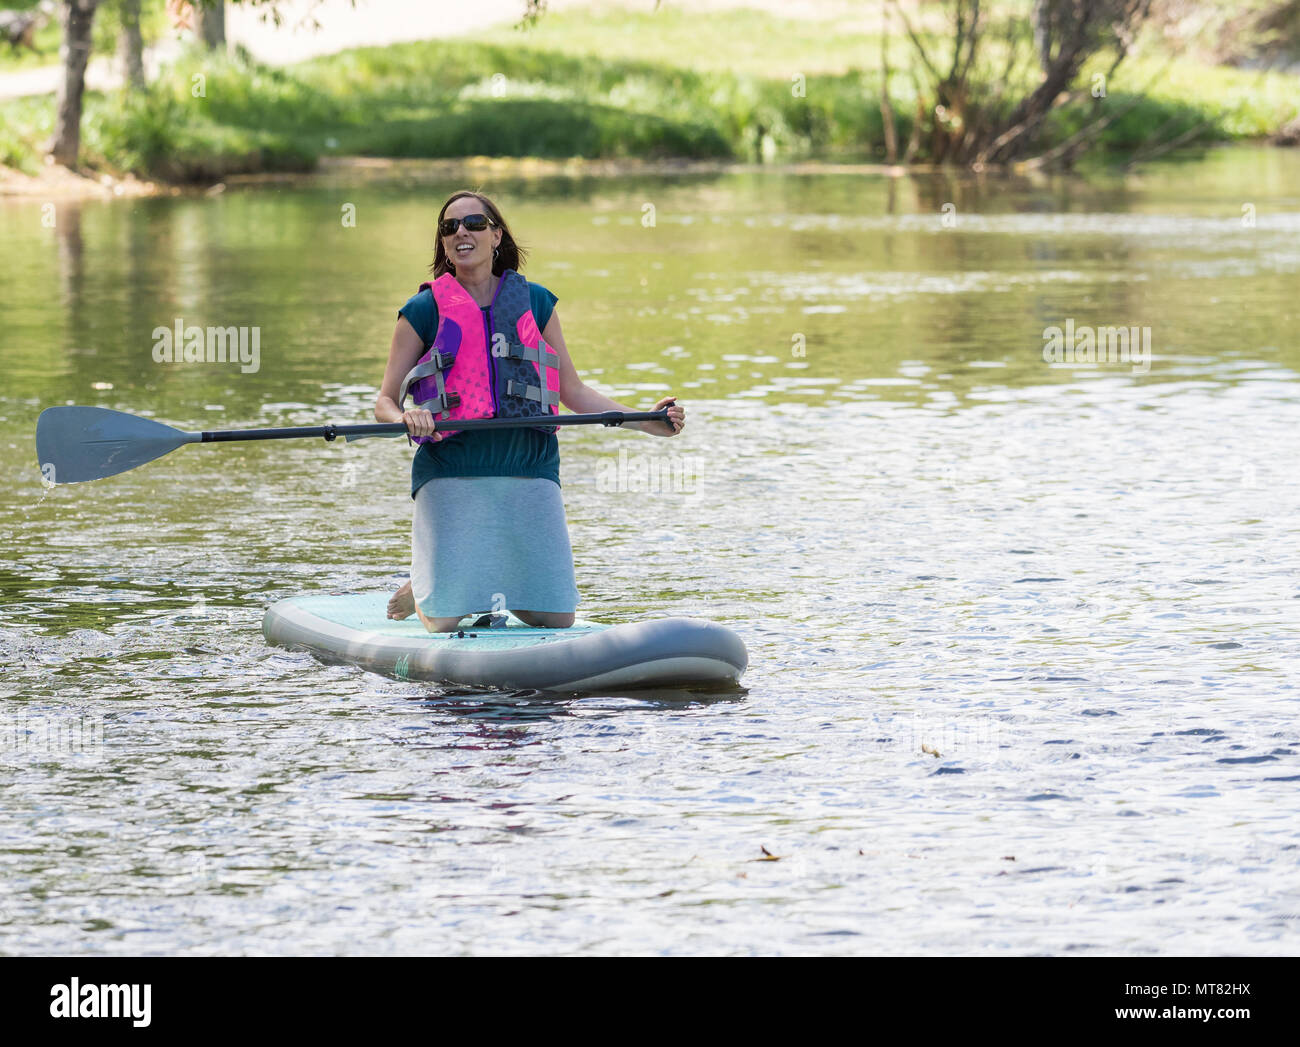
column 402, row 605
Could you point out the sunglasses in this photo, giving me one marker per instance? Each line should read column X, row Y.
column 475, row 223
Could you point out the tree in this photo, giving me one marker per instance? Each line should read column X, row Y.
column 76, row 17
column 973, row 119
column 211, row 27
column 130, row 45
column 1077, row 30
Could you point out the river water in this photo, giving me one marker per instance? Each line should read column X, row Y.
column 1023, row 632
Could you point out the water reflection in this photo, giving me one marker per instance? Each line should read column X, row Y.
column 524, row 707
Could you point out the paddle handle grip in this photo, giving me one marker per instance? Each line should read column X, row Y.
column 331, row 432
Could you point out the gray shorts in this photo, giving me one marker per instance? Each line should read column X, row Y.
column 488, row 543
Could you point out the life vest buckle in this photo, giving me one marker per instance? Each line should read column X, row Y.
column 546, row 397
column 442, row 402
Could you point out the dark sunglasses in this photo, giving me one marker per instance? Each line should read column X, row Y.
column 475, row 223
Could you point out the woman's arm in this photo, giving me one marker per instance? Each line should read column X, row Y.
column 582, row 399
column 405, row 351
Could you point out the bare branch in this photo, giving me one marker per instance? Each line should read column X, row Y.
column 1151, row 152
column 886, row 105
column 916, row 43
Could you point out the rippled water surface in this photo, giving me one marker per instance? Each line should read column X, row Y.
column 1023, row 636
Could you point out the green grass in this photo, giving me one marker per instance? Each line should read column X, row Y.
column 25, row 123
column 1243, row 104
column 165, row 134
column 740, row 42
column 592, row 85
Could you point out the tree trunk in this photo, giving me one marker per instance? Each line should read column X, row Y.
column 130, row 46
column 1042, row 34
column 1029, row 114
column 914, row 139
column 76, row 18
column 887, row 106
column 211, row 28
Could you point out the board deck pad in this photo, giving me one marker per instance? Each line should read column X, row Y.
column 662, row 652
column 368, row 612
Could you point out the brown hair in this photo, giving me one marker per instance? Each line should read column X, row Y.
column 509, row 255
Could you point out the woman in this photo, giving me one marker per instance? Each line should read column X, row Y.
column 489, row 529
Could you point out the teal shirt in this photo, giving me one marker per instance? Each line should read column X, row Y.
column 492, row 452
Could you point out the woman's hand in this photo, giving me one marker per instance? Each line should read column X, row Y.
column 676, row 414
column 420, row 423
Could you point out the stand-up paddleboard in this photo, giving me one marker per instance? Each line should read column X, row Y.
column 666, row 652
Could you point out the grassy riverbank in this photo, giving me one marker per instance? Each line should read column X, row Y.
column 616, row 85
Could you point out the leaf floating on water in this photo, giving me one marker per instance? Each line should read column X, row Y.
column 768, row 856
column 933, row 752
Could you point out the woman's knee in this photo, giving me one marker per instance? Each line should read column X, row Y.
column 546, row 619
column 437, row 625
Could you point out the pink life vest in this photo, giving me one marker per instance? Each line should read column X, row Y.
column 459, row 376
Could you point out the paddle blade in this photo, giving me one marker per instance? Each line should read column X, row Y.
column 75, row 444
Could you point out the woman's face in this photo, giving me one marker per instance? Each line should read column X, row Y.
column 464, row 246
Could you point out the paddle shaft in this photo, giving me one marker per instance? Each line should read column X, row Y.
column 75, row 444
column 330, row 432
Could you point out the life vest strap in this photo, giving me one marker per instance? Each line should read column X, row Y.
column 546, row 397
column 435, row 365
column 546, row 356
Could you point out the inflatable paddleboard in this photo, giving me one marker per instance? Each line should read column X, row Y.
column 501, row 651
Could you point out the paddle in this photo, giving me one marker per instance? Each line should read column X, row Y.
column 75, row 444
